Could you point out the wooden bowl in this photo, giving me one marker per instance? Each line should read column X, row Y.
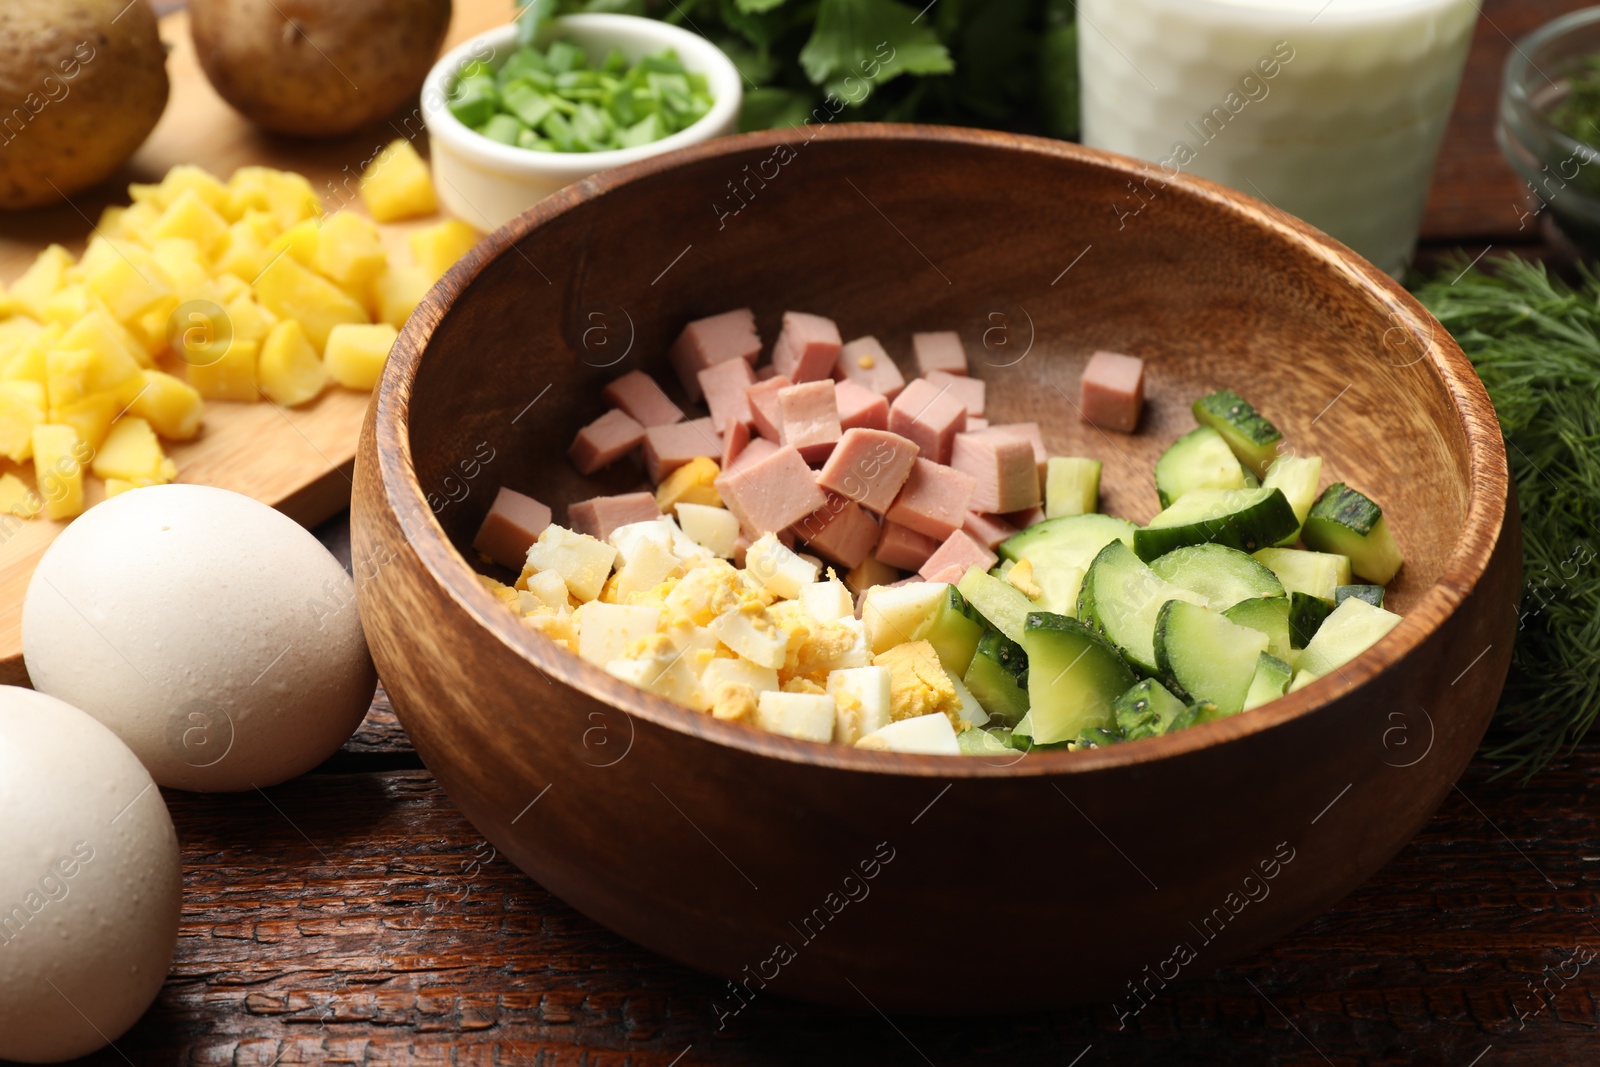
column 917, row 883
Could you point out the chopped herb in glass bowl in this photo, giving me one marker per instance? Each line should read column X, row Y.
column 553, row 100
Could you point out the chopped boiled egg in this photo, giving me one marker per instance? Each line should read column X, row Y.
column 918, row 684
column 861, row 702
column 780, row 569
column 605, row 631
column 806, row 716
column 583, row 562
column 827, row 601
column 930, row 735
column 714, row 529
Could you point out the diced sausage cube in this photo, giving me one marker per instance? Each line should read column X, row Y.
column 809, row 419
column 987, row 530
column 934, row 500
column 599, row 516
column 763, row 373
column 958, row 553
column 1025, row 518
column 974, row 425
column 951, row 574
column 724, row 386
column 638, row 394
column 1006, row 476
column 941, row 350
column 765, row 413
column 514, row 522
column 604, row 441
column 928, row 416
column 970, row 391
column 1028, row 431
column 806, row 348
column 864, row 362
column 901, row 546
column 704, row 342
column 860, row 408
column 1112, row 392
column 735, row 437
column 869, row 467
column 839, row 530
column 757, row 448
column 666, row 448
column 771, row 493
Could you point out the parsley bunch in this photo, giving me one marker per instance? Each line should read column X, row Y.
column 1006, row 64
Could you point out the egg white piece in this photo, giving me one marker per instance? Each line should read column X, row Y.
column 90, row 882
column 214, row 635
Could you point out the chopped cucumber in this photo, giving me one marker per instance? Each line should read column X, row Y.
column 1354, row 627
column 1301, row 680
column 1271, row 679
column 1200, row 713
column 1200, row 459
column 1201, row 654
column 1148, row 709
column 1251, row 437
column 1071, row 539
column 1074, row 677
column 1270, row 615
column 1246, row 519
column 1317, row 574
column 1071, row 486
column 984, row 742
column 998, row 677
column 1223, row 576
column 1121, row 598
column 999, row 602
column 954, row 632
column 1372, row 594
column 1297, row 476
column 1349, row 523
column 1306, row 615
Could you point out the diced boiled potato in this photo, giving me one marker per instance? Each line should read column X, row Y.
column 286, row 196
column 248, row 320
column 90, row 416
column 861, row 702
column 170, row 405
column 40, row 281
column 437, row 248
column 30, row 361
column 67, row 375
column 583, row 562
column 290, row 372
column 805, row 716
column 14, row 333
column 115, row 363
column 244, row 249
column 118, row 486
column 714, row 529
column 778, row 568
column 693, row 483
column 299, row 241
column 68, row 304
column 931, row 735
column 136, row 223
column 398, row 291
column 396, row 185
column 185, row 177
column 58, row 459
column 827, row 601
column 668, row 678
column 355, row 354
column 893, row 616
column 290, row 291
column 22, row 407
column 752, row 636
column 190, row 217
column 868, row 573
column 231, row 376
column 645, row 557
column 606, row 630
column 16, row 497
column 182, row 261
column 349, row 250
column 726, row 671
column 132, row 453
column 129, row 282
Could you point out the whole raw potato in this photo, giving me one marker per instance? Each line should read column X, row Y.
column 82, row 84
column 317, row 68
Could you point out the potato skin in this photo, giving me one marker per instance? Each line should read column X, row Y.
column 79, row 93
column 317, row 68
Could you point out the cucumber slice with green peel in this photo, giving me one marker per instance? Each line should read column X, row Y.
column 999, row 602
column 1072, row 540
column 1071, row 486
column 1350, row 524
column 1270, row 615
column 1297, row 476
column 1200, row 459
column 1306, row 615
column 1318, row 574
column 1224, row 576
column 1301, row 680
column 1200, row 712
column 1121, row 598
column 1372, row 594
column 953, row 632
column 1096, row 737
column 1201, row 654
column 984, row 742
column 998, row 678
column 1253, row 440
column 1060, row 587
column 1074, row 677
column 1147, row 709
column 1271, row 680
column 1354, row 627
column 1003, row 568
column 1246, row 519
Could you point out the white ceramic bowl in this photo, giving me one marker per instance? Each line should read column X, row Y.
column 488, row 184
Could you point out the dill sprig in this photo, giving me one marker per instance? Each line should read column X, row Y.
column 1535, row 342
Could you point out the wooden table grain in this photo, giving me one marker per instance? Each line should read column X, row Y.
column 353, row 916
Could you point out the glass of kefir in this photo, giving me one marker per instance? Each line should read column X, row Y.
column 1331, row 110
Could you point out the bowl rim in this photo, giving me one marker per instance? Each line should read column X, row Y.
column 1482, row 527
column 699, row 54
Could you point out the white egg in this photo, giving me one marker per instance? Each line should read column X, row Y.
column 214, row 635
column 90, row 882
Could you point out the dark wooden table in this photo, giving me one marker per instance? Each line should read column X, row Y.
column 353, row 916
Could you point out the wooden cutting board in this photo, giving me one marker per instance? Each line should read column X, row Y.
column 299, row 460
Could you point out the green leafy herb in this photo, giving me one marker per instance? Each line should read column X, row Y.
column 1535, row 342
column 1578, row 113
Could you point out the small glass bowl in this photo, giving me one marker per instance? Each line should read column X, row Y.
column 1563, row 174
